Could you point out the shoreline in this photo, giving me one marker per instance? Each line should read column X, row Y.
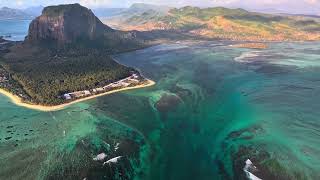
column 18, row 101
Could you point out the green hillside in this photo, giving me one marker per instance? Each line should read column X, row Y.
column 224, row 23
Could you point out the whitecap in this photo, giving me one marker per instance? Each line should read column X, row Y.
column 248, row 56
column 116, row 147
column 100, row 157
column 249, row 165
column 171, row 47
column 113, row 160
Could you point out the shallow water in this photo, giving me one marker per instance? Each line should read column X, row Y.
column 212, row 108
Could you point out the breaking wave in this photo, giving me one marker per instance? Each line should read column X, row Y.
column 248, row 56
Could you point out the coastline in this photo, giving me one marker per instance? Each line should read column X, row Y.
column 18, row 101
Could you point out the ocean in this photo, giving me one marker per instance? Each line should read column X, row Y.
column 14, row 30
column 213, row 108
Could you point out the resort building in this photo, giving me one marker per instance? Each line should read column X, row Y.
column 133, row 79
column 67, row 97
column 100, row 89
column 87, row 93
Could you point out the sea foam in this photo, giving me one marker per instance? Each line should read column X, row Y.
column 249, row 165
column 247, row 56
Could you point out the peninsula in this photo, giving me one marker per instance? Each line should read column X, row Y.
column 65, row 59
column 20, row 102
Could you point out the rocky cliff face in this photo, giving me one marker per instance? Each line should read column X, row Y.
column 66, row 24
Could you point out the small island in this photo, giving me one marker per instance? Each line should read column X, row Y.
column 65, row 59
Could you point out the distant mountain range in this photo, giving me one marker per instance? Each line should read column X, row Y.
column 8, row 13
column 146, row 11
column 34, row 10
column 108, row 12
column 18, row 14
column 220, row 23
column 137, row 9
column 140, row 8
column 134, row 9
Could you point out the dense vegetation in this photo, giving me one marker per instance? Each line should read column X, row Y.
column 45, row 75
column 9, row 84
column 61, row 9
column 110, row 43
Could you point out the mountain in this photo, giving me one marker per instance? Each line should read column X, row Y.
column 108, row 12
column 269, row 10
column 134, row 9
column 75, row 25
column 65, row 24
column 34, row 10
column 225, row 23
column 315, row 17
column 284, row 12
column 20, row 14
column 140, row 8
column 8, row 13
column 67, row 49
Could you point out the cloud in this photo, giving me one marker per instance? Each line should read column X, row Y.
column 312, row 1
column 95, row 3
column 19, row 2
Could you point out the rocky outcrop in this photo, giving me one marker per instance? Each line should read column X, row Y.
column 66, row 24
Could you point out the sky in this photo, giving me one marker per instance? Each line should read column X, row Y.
column 291, row 6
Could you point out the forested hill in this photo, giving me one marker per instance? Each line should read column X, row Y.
column 224, row 23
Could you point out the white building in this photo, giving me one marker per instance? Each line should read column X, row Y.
column 86, row 93
column 100, row 89
column 135, row 76
column 67, row 97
